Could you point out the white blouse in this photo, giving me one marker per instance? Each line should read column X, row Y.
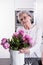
column 36, row 34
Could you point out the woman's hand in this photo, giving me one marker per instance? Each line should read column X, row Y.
column 24, row 50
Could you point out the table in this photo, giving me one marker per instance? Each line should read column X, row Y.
column 4, row 61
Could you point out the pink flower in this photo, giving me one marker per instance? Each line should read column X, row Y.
column 15, row 34
column 3, row 41
column 6, row 45
column 31, row 42
column 21, row 32
column 27, row 37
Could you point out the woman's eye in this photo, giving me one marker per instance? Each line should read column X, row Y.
column 24, row 17
column 21, row 19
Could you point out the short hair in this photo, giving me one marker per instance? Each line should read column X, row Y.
column 22, row 12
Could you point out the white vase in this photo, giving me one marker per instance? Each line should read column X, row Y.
column 16, row 58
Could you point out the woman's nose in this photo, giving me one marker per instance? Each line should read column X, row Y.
column 24, row 21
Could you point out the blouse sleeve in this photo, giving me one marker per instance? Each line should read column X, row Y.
column 38, row 41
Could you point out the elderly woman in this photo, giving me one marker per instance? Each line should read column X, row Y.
column 34, row 31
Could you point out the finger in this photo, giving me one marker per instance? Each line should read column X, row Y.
column 23, row 48
column 21, row 51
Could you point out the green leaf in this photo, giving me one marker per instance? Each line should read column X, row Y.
column 26, row 45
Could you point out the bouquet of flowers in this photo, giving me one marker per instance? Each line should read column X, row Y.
column 19, row 40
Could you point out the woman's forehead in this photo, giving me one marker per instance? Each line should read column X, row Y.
column 23, row 14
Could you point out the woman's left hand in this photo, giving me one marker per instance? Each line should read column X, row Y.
column 24, row 50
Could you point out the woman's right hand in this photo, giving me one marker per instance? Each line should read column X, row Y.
column 24, row 50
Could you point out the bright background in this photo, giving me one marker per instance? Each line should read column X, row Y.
column 7, row 17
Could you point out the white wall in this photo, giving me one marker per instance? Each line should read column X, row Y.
column 39, row 12
column 20, row 4
column 6, row 23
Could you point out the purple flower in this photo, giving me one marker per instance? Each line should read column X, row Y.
column 21, row 32
column 25, row 39
column 19, row 37
column 3, row 41
column 31, row 42
column 6, row 45
column 28, row 39
column 15, row 34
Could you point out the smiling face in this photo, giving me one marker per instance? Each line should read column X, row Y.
column 25, row 20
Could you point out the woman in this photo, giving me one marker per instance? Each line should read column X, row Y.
column 34, row 31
